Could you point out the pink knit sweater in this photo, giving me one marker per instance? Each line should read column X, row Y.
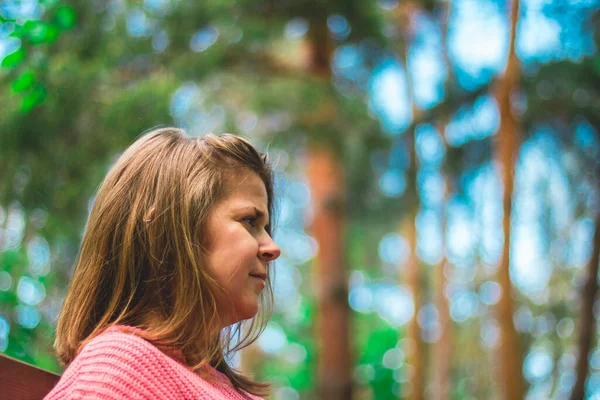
column 117, row 364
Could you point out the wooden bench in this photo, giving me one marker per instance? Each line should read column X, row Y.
column 21, row 381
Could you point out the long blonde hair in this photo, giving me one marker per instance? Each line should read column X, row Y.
column 140, row 262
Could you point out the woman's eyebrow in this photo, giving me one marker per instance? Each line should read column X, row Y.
column 259, row 213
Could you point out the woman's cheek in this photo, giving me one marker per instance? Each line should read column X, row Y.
column 250, row 244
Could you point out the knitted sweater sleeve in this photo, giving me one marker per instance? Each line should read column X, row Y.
column 117, row 366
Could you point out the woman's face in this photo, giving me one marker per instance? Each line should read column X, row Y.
column 239, row 247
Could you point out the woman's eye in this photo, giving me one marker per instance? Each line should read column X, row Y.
column 250, row 221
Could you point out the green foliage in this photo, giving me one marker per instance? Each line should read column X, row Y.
column 23, row 82
column 374, row 338
column 39, row 32
column 36, row 96
column 14, row 58
column 65, row 17
column 28, row 65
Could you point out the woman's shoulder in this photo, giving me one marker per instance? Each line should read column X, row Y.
column 119, row 363
column 126, row 341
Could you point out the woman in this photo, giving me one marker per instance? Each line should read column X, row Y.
column 174, row 257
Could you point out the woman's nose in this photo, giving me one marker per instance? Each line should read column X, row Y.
column 269, row 251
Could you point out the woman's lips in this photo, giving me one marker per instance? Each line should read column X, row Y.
column 259, row 276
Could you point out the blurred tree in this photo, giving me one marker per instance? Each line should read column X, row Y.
column 569, row 109
column 413, row 276
column 442, row 354
column 507, row 145
column 326, row 181
column 586, row 328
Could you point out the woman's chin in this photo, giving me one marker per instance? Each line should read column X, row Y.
column 248, row 312
column 241, row 314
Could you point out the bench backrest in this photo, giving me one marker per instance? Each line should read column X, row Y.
column 21, row 381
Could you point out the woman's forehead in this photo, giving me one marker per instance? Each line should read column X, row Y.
column 247, row 191
column 247, row 184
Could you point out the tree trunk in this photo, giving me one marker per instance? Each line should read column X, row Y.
column 587, row 321
column 414, row 342
column 412, row 274
column 332, row 317
column 327, row 190
column 442, row 362
column 442, row 349
column 507, row 144
column 442, row 353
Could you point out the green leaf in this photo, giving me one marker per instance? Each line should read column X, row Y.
column 38, row 32
column 23, row 82
column 17, row 31
column 65, row 17
column 33, row 98
column 14, row 58
column 50, row 34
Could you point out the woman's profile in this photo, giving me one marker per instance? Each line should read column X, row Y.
column 175, row 255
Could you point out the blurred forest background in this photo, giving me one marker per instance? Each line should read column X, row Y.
column 438, row 164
